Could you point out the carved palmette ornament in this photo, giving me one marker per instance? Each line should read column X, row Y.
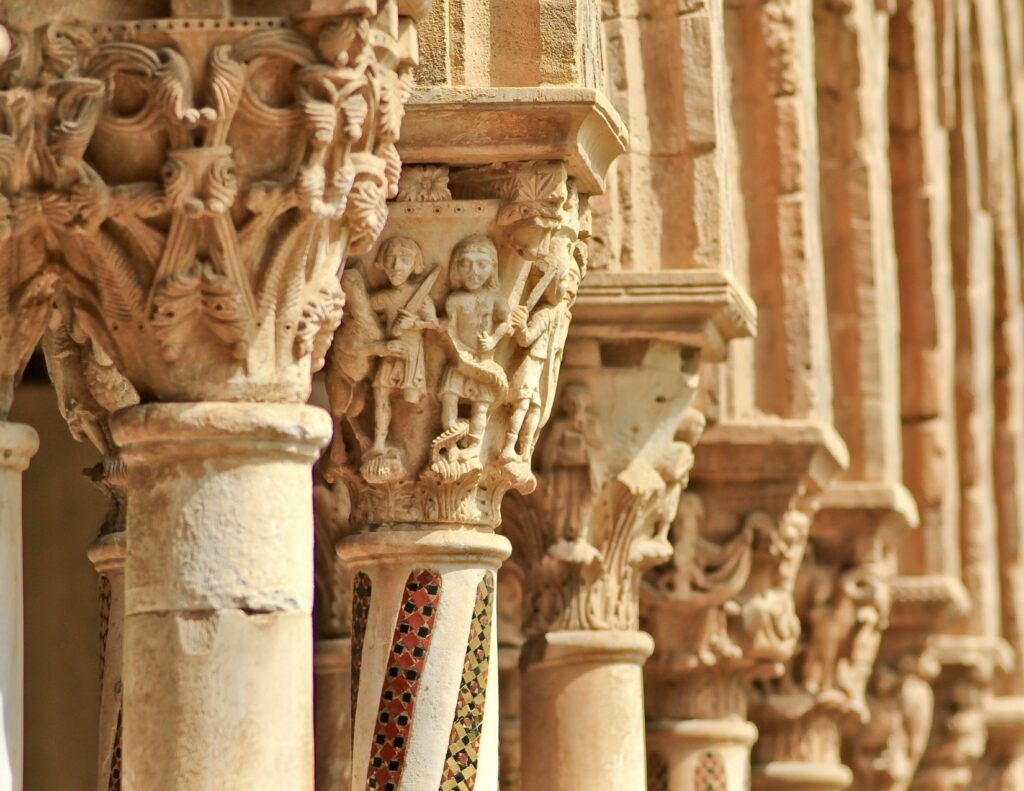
column 446, row 366
column 200, row 184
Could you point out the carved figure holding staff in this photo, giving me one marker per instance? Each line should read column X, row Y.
column 406, row 311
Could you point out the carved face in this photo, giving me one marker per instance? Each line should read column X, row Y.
column 475, row 268
column 399, row 261
column 576, row 400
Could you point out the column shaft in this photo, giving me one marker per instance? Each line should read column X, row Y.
column 575, row 677
column 332, row 682
column 18, row 443
column 219, row 586
column 425, row 697
column 108, row 555
column 694, row 755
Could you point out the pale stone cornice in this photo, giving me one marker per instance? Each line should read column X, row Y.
column 477, row 126
column 700, row 308
column 771, row 450
column 852, row 514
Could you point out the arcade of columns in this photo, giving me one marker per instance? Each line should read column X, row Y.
column 674, row 353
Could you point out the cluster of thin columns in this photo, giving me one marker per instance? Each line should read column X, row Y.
column 750, row 519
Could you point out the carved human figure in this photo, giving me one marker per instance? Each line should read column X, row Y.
column 832, row 618
column 477, row 319
column 569, row 463
column 406, row 310
column 543, row 335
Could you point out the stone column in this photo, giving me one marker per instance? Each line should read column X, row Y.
column 611, row 469
column 723, row 612
column 205, row 268
column 440, row 382
column 884, row 753
column 18, row 443
column 218, row 593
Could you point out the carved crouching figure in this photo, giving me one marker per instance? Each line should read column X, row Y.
column 477, row 320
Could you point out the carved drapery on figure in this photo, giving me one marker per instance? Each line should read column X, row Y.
column 446, row 367
column 205, row 264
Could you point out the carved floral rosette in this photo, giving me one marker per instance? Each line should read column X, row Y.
column 199, row 183
column 446, row 366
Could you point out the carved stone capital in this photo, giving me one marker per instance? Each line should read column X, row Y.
column 198, row 182
column 446, row 368
column 723, row 609
column 617, row 455
column 843, row 600
column 885, row 752
column 959, row 732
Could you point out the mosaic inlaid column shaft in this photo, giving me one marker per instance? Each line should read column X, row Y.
column 18, row 444
column 108, row 556
column 424, row 659
column 218, row 595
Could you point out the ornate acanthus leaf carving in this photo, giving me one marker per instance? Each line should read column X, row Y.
column 206, row 263
column 611, row 471
column 455, row 333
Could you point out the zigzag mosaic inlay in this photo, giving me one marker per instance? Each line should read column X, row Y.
column 362, row 588
column 460, row 765
column 710, row 773
column 414, row 628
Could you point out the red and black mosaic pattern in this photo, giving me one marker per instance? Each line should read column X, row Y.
column 114, row 779
column 460, row 765
column 710, row 772
column 414, row 628
column 657, row 772
column 362, row 588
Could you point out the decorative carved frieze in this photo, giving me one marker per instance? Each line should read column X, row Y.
column 446, row 367
column 199, row 183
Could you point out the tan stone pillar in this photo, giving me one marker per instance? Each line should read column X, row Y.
column 332, row 708
column 218, row 593
column 575, row 677
column 440, row 383
column 423, row 637
column 611, row 469
column 18, row 443
column 108, row 558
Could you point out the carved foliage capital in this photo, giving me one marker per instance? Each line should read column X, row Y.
column 611, row 467
column 199, row 185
